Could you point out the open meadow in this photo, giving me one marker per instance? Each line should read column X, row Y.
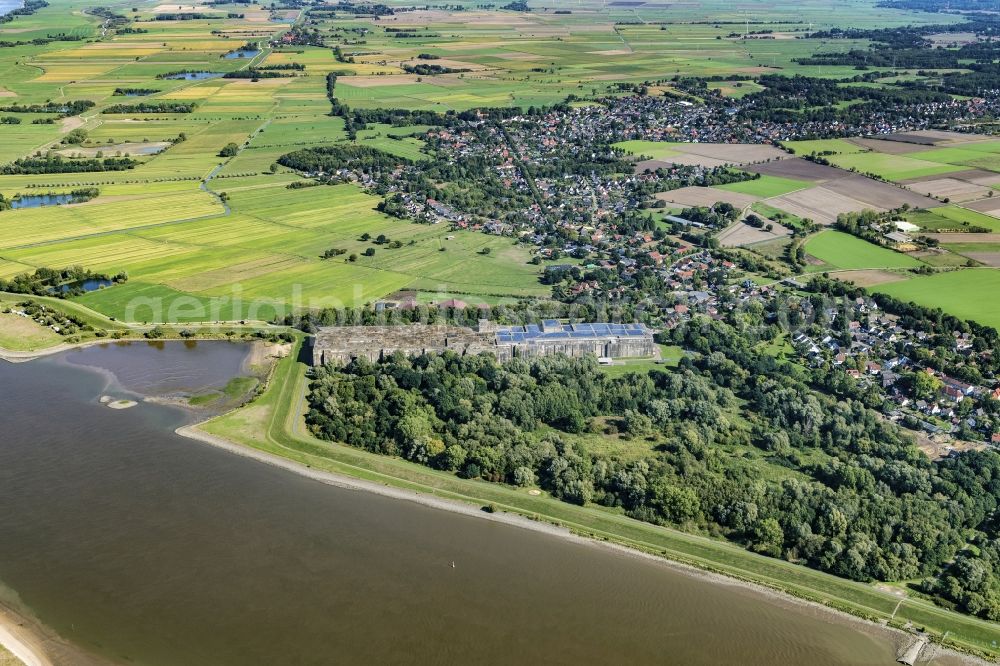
column 840, row 251
column 968, row 294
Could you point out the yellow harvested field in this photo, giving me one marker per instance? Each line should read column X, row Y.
column 165, row 8
column 9, row 269
column 706, row 196
column 76, row 71
column 235, row 273
column 102, row 51
column 98, row 253
column 39, row 225
column 19, row 333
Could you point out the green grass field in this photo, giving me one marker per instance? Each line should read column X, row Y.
column 766, row 187
column 820, row 146
column 952, row 218
column 967, row 294
column 842, row 251
column 264, row 259
column 657, row 150
column 892, row 167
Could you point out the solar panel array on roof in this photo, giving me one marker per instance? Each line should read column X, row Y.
column 556, row 331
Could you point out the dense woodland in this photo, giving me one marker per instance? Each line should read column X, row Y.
column 151, row 107
column 330, row 159
column 910, row 48
column 64, row 109
column 57, row 164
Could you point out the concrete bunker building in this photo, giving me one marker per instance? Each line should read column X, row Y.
column 341, row 344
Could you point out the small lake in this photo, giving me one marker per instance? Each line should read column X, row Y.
column 158, row 367
column 39, row 200
column 280, row 19
column 86, row 285
column 143, row 547
column 193, row 76
column 249, row 53
column 145, row 149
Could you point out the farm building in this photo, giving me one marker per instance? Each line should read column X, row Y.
column 341, row 344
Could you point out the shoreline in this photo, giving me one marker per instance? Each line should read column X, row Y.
column 899, row 638
column 12, row 356
column 17, row 639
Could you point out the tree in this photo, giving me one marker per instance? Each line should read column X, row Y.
column 924, row 385
column 767, row 537
column 229, row 150
column 524, row 476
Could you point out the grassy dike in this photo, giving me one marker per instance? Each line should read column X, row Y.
column 274, row 424
column 23, row 339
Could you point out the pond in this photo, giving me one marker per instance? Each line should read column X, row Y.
column 247, row 53
column 193, row 76
column 39, row 200
column 86, row 285
column 145, row 149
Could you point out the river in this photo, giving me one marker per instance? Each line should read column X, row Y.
column 144, row 547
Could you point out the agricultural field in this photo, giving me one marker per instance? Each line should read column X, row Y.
column 840, row 251
column 891, row 167
column 656, row 150
column 952, row 218
column 209, row 233
column 22, row 334
column 953, row 174
column 172, row 121
column 821, row 146
column 190, row 255
column 968, row 294
column 264, row 259
column 766, row 187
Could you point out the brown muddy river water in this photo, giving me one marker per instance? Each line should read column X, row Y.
column 143, row 547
